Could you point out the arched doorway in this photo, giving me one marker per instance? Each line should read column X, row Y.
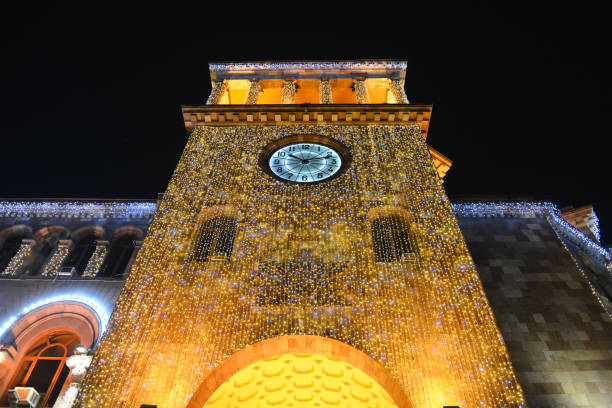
column 299, row 370
column 40, row 341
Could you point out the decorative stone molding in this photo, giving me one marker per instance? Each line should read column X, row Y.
column 78, row 364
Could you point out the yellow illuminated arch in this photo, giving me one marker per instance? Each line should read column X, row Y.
column 300, row 380
column 299, row 371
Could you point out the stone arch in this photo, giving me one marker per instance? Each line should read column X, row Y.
column 23, row 230
column 67, row 315
column 292, row 344
column 121, row 250
column 128, row 230
column 47, row 240
column 83, row 246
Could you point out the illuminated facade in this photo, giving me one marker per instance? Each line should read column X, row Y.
column 305, row 254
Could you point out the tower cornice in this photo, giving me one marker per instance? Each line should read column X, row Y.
column 232, row 115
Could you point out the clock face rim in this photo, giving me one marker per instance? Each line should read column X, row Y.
column 334, row 144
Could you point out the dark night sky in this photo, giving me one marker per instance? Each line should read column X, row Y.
column 91, row 98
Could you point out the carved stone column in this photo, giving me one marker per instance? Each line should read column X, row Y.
column 325, row 91
column 289, row 90
column 361, row 92
column 56, row 260
column 96, row 260
column 253, row 94
column 17, row 261
column 397, row 92
column 217, row 92
column 78, row 364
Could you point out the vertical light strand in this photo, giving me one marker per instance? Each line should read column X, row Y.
column 398, row 95
column 289, row 91
column 56, row 260
column 253, row 93
column 22, row 253
column 325, row 91
column 303, row 261
column 217, row 92
column 96, row 259
column 361, row 91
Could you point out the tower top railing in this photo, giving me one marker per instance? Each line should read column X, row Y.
column 314, row 82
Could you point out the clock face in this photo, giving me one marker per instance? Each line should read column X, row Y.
column 305, row 162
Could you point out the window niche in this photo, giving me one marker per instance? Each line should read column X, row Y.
column 215, row 234
column 391, row 238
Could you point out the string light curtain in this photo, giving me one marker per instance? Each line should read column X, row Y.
column 303, row 262
column 361, row 92
column 325, row 91
column 397, row 91
column 16, row 262
column 289, row 91
column 217, row 92
column 253, row 93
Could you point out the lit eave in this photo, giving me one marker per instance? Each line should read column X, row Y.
column 231, row 115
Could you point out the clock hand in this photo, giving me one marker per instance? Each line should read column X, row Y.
column 295, row 157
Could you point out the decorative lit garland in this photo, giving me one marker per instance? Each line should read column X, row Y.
column 217, row 92
column 325, row 91
column 96, row 260
column 397, row 90
column 361, row 92
column 307, row 66
column 531, row 210
column 253, row 93
column 76, row 209
column 582, row 272
column 99, row 310
column 17, row 261
column 289, row 90
column 57, row 259
column 428, row 323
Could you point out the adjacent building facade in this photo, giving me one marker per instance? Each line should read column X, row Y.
column 305, row 254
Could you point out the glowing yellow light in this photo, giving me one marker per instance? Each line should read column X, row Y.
column 302, row 380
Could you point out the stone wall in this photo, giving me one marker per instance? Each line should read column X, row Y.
column 558, row 335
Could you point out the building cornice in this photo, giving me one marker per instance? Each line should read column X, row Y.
column 356, row 114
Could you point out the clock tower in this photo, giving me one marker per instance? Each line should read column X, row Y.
column 304, row 255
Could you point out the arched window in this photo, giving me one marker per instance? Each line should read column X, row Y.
column 391, row 238
column 84, row 244
column 214, row 239
column 47, row 240
column 44, row 365
column 10, row 241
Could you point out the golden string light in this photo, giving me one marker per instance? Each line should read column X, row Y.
column 325, row 91
column 57, row 259
column 289, row 91
column 219, row 88
column 95, row 261
column 397, row 91
column 16, row 261
column 303, row 261
column 253, row 93
column 361, row 92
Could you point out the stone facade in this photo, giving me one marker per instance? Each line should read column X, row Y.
column 558, row 334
